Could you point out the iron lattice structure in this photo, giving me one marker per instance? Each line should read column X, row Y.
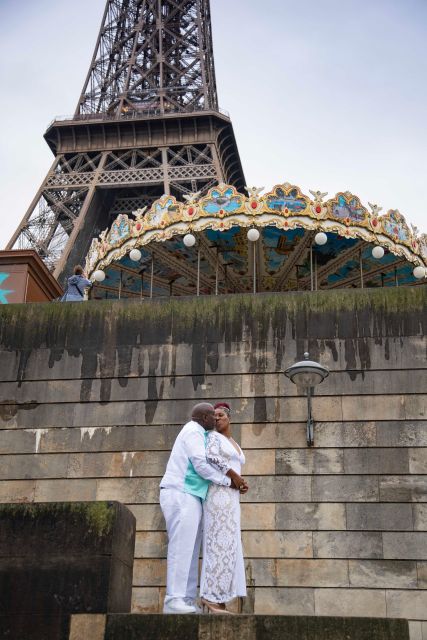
column 147, row 123
column 152, row 55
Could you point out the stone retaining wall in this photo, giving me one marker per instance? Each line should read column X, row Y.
column 92, row 396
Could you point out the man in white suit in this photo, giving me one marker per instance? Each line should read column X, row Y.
column 182, row 491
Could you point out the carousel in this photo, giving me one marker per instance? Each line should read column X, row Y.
column 229, row 242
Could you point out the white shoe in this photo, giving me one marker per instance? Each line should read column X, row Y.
column 177, row 605
column 193, row 603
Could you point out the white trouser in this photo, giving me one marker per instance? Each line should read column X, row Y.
column 183, row 515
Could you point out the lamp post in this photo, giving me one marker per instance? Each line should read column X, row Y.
column 189, row 241
column 307, row 374
column 253, row 236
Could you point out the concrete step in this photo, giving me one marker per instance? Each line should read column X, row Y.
column 239, row 627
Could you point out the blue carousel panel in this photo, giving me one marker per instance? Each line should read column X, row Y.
column 222, row 202
column 281, row 201
column 351, row 210
column 393, row 226
column 159, row 210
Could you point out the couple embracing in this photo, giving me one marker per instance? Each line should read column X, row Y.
column 200, row 500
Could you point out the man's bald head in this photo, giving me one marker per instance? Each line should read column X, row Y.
column 204, row 414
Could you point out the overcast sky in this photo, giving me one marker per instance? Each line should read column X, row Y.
column 326, row 94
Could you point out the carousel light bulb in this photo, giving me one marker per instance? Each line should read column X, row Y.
column 99, row 275
column 320, row 238
column 189, row 240
column 253, row 235
column 378, row 252
column 135, row 255
column 419, row 272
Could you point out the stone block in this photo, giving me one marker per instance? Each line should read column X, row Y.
column 402, row 546
column 22, row 440
column 149, row 573
column 329, row 628
column 415, row 630
column 87, row 626
column 132, row 490
column 410, row 604
column 261, row 572
column 17, row 467
column 146, row 600
column 109, row 438
column 261, row 436
column 151, row 544
column 266, row 384
column 312, row 573
column 415, row 407
column 367, row 603
column 224, row 627
column 403, row 488
column 79, row 528
column 113, row 465
column 379, row 517
column 277, row 544
column 149, row 517
column 384, row 574
column 309, row 461
column 418, row 460
column 324, row 408
column 345, row 489
column 420, row 516
column 402, row 433
column 63, row 558
column 258, row 516
column 345, row 434
column 17, row 490
column 384, row 407
column 153, row 627
column 347, row 544
column 376, row 460
column 66, row 490
column 290, row 602
column 260, row 462
column 278, row 489
column 310, row 516
column 424, row 630
column 422, row 575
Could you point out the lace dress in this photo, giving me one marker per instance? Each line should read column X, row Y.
column 223, row 570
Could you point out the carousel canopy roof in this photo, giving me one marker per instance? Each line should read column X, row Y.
column 287, row 255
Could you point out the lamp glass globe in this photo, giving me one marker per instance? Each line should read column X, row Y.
column 189, row 240
column 253, row 235
column 419, row 272
column 378, row 252
column 320, row 238
column 99, row 275
column 135, row 255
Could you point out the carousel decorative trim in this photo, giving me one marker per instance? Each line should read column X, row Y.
column 284, row 207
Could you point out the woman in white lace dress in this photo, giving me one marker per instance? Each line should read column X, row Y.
column 223, row 570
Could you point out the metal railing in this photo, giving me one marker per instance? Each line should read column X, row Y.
column 134, row 114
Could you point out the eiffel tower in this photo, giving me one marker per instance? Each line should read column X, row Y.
column 147, row 123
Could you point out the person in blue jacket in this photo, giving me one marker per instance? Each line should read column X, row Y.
column 76, row 286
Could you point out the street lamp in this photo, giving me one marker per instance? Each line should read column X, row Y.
column 307, row 374
column 253, row 236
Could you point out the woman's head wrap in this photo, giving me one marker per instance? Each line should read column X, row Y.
column 223, row 405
